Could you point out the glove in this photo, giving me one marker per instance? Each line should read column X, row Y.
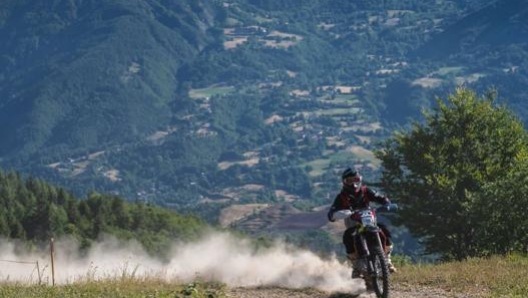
column 330, row 215
column 391, row 207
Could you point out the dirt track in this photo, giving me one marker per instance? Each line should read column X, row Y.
column 396, row 292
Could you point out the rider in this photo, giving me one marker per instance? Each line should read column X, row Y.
column 354, row 195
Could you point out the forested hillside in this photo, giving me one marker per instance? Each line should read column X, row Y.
column 34, row 211
column 230, row 108
column 80, row 75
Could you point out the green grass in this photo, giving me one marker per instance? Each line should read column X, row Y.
column 484, row 277
column 128, row 288
column 338, row 112
column 342, row 99
column 491, row 277
column 318, row 166
column 230, row 22
column 322, row 164
column 210, row 91
column 449, row 70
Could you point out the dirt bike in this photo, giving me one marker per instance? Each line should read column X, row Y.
column 372, row 247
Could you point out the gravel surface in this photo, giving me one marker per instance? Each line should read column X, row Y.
column 396, row 292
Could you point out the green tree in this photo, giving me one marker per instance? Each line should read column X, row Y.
column 446, row 173
column 504, row 203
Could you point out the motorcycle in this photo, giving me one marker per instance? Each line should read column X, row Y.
column 372, row 247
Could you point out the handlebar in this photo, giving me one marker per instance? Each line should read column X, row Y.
column 387, row 208
column 342, row 214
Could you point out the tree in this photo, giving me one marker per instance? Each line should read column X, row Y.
column 447, row 175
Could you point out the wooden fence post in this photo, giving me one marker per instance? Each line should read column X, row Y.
column 52, row 253
column 38, row 272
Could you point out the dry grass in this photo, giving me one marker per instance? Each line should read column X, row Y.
column 487, row 277
column 210, row 91
column 484, row 277
column 127, row 287
column 236, row 212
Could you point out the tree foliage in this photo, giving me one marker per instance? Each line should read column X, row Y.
column 460, row 177
column 34, row 211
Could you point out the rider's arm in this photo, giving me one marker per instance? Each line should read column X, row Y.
column 377, row 197
column 337, row 205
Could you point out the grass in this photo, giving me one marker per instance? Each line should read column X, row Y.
column 484, row 277
column 338, row 112
column 493, row 277
column 359, row 154
column 341, row 99
column 211, row 91
column 318, row 166
column 449, row 70
column 129, row 288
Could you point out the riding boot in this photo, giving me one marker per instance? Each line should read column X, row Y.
column 356, row 265
column 388, row 252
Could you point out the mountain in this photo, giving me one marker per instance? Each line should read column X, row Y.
column 202, row 105
column 486, row 50
column 85, row 73
column 498, row 24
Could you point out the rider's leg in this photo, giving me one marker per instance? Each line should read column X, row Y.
column 358, row 266
column 389, row 246
column 388, row 251
column 352, row 254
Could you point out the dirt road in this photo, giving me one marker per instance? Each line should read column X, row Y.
column 396, row 292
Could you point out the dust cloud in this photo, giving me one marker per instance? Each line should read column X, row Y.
column 217, row 257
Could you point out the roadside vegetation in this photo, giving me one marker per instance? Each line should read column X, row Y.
column 460, row 178
column 122, row 287
column 496, row 276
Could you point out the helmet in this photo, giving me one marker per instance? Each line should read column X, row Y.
column 351, row 178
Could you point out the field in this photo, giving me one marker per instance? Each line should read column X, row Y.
column 211, row 91
column 123, row 287
column 487, row 277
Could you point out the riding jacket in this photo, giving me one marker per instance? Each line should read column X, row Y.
column 349, row 198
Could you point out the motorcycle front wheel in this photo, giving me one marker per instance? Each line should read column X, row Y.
column 379, row 273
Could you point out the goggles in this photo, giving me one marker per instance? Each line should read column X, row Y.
column 351, row 180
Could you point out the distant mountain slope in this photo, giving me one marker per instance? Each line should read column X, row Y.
column 83, row 73
column 503, row 22
column 199, row 104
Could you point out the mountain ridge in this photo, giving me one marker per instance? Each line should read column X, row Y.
column 131, row 37
column 499, row 23
column 199, row 105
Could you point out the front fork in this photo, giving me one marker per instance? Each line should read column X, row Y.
column 365, row 253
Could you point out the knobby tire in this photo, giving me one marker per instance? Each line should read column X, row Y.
column 381, row 290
